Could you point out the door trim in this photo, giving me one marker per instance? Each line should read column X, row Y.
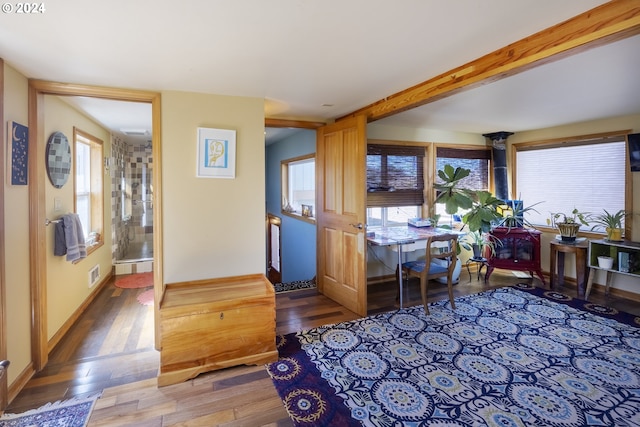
column 37, row 237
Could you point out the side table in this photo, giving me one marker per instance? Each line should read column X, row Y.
column 558, row 251
column 480, row 262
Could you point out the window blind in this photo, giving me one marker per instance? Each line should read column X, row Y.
column 476, row 160
column 395, row 175
column 588, row 177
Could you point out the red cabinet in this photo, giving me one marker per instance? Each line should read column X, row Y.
column 520, row 250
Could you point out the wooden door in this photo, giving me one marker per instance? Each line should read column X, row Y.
column 341, row 212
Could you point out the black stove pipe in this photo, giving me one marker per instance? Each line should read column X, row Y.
column 499, row 150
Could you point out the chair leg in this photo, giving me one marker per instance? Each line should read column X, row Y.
column 450, row 286
column 423, row 292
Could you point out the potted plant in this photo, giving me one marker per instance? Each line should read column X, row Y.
column 480, row 243
column 613, row 223
column 568, row 224
column 450, row 193
column 516, row 219
column 480, row 207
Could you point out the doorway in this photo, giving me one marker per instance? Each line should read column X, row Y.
column 274, row 269
column 38, row 267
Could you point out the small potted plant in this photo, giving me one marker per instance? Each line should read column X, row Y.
column 479, row 243
column 516, row 218
column 568, row 224
column 613, row 223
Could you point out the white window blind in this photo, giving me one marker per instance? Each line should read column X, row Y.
column 588, row 177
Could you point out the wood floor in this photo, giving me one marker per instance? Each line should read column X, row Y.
column 110, row 350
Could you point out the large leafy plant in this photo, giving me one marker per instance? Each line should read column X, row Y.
column 449, row 191
column 481, row 206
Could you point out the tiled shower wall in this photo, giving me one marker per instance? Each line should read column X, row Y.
column 136, row 163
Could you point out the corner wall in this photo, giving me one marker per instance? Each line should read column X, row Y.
column 16, row 229
column 212, row 227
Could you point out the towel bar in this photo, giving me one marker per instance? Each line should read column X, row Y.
column 47, row 221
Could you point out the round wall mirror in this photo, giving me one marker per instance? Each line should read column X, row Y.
column 58, row 159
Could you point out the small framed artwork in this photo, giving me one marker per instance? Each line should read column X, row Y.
column 17, row 153
column 307, row 210
column 216, row 153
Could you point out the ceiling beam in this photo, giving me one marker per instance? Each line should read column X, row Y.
column 284, row 123
column 612, row 21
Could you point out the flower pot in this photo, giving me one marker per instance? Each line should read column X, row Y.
column 605, row 262
column 568, row 231
column 614, row 234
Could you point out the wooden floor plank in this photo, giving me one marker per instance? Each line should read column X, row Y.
column 111, row 349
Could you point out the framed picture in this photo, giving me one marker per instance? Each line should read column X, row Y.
column 307, row 210
column 216, row 153
column 17, row 153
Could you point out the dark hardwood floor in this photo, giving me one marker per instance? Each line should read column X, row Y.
column 110, row 350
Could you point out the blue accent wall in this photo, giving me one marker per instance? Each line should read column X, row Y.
column 298, row 238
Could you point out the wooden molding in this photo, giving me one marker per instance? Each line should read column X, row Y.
column 283, row 123
column 612, row 21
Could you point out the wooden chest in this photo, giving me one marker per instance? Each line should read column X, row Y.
column 213, row 324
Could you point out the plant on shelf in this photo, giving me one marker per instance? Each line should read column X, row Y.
column 516, row 217
column 568, row 224
column 613, row 223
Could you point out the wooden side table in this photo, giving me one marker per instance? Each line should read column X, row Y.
column 558, row 250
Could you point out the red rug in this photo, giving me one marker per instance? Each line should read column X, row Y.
column 138, row 280
column 146, row 298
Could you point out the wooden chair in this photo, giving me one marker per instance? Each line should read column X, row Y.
column 448, row 253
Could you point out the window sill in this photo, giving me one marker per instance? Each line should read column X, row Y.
column 309, row 219
column 94, row 247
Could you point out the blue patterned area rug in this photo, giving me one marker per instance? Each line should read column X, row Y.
column 68, row 413
column 294, row 286
column 517, row 356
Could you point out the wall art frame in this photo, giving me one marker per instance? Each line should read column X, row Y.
column 17, row 154
column 216, row 153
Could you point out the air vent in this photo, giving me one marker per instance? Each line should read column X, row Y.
column 135, row 132
column 94, row 275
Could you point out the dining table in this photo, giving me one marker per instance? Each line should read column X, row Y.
column 401, row 235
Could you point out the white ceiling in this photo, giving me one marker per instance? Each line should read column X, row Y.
column 321, row 60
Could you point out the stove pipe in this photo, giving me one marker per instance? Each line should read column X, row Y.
column 499, row 151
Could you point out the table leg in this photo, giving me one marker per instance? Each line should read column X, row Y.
column 592, row 273
column 581, row 263
column 561, row 268
column 552, row 268
column 609, row 276
column 400, row 272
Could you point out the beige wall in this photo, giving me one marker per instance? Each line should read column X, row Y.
column 378, row 130
column 16, row 229
column 68, row 283
column 212, row 227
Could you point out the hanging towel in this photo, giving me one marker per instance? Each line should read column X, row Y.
column 74, row 237
column 59, row 241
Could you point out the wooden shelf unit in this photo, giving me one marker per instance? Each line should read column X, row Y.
column 213, row 324
column 617, row 251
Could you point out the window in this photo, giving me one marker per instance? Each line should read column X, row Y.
column 395, row 183
column 88, row 185
column 586, row 174
column 478, row 161
column 299, row 186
